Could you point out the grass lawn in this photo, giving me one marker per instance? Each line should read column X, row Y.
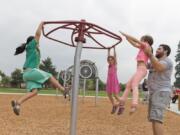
column 15, row 90
column 48, row 91
column 52, row 91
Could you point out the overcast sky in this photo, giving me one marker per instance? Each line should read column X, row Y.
column 20, row 18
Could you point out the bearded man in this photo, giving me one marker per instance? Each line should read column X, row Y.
column 159, row 86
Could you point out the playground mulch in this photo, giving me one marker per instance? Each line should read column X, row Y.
column 48, row 115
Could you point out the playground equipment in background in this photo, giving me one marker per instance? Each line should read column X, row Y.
column 64, row 78
column 88, row 70
column 80, row 30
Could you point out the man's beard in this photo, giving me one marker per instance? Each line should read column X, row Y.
column 158, row 56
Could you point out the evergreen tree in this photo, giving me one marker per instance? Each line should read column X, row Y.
column 47, row 66
column 177, row 68
column 102, row 85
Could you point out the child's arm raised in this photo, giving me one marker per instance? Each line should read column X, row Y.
column 115, row 56
column 135, row 42
column 114, row 52
column 108, row 52
column 132, row 43
column 38, row 32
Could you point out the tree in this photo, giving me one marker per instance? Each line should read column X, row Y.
column 47, row 66
column 101, row 85
column 123, row 86
column 177, row 68
column 90, row 84
column 17, row 78
column 6, row 81
column 2, row 74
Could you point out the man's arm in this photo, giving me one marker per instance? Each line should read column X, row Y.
column 159, row 67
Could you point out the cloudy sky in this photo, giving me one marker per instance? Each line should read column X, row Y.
column 20, row 18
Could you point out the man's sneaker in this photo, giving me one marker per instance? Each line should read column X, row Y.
column 16, row 107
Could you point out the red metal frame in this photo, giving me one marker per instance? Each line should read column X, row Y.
column 83, row 29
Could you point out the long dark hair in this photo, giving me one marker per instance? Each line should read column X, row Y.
column 20, row 49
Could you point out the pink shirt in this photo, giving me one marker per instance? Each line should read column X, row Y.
column 141, row 56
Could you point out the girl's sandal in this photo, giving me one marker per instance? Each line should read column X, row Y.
column 121, row 108
column 133, row 109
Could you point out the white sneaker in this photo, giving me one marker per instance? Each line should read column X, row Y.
column 16, row 107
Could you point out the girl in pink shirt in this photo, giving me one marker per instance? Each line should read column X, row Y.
column 141, row 71
column 112, row 85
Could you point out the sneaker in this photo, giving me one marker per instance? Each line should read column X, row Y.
column 16, row 107
column 114, row 108
column 65, row 92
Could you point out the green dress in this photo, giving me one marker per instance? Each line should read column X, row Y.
column 33, row 76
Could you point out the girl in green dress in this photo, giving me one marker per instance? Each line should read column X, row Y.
column 32, row 75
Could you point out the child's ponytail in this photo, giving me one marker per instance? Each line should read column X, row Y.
column 20, row 49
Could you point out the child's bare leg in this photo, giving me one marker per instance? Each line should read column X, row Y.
column 111, row 99
column 16, row 104
column 114, row 106
column 56, row 84
column 126, row 92
column 123, row 98
column 117, row 97
column 27, row 96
